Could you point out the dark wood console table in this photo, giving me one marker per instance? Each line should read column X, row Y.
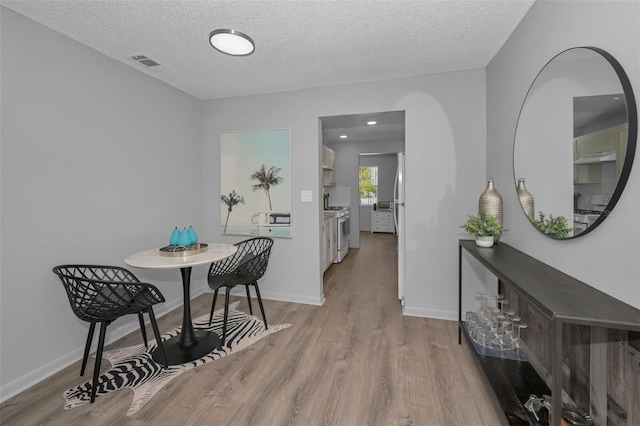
column 558, row 296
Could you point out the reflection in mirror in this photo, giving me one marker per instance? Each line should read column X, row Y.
column 575, row 141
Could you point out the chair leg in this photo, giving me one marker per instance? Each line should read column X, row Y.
column 156, row 332
column 249, row 299
column 213, row 305
column 96, row 370
column 264, row 318
column 87, row 347
column 226, row 315
column 143, row 329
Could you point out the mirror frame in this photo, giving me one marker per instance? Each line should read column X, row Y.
column 632, row 119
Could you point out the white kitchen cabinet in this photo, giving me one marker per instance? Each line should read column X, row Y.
column 593, row 145
column 329, row 160
column 382, row 221
column 329, row 239
column 333, row 239
column 584, row 173
column 623, row 137
column 325, row 157
column 329, row 178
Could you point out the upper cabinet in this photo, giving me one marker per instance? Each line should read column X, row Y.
column 593, row 149
column 328, row 158
column 329, row 177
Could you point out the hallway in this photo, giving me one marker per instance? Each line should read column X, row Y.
column 374, row 264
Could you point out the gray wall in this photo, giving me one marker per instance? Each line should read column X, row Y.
column 98, row 161
column 445, row 151
column 607, row 258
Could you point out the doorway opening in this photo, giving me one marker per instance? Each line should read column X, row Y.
column 359, row 140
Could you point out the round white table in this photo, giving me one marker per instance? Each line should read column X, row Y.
column 188, row 345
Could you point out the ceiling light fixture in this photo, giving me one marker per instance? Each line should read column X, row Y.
column 372, row 123
column 343, row 136
column 231, row 42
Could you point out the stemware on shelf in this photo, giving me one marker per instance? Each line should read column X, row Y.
column 501, row 301
column 517, row 340
column 494, row 326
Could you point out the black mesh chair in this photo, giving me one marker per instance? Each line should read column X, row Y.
column 245, row 267
column 102, row 294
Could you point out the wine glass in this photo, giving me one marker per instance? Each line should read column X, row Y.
column 516, row 339
column 484, row 298
column 471, row 323
column 501, row 302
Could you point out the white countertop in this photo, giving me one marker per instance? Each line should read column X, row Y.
column 151, row 259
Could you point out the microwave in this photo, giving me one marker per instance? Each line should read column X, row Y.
column 385, row 205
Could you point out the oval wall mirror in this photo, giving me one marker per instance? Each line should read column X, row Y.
column 575, row 142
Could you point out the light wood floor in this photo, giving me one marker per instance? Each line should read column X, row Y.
column 354, row 361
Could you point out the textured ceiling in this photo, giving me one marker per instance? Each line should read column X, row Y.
column 299, row 44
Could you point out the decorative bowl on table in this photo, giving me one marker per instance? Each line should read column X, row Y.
column 180, row 250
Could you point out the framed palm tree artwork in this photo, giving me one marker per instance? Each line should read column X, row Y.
column 255, row 183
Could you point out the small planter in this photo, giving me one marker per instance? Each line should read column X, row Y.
column 486, row 229
column 484, row 241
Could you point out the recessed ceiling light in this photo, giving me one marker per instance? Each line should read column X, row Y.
column 231, row 42
column 343, row 136
column 372, row 123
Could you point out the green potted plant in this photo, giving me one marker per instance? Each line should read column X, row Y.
column 555, row 227
column 484, row 227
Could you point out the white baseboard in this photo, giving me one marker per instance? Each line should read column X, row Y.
column 282, row 297
column 42, row 372
column 430, row 313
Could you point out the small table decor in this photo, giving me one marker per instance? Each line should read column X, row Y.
column 179, row 250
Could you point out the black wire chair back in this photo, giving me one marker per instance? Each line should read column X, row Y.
column 102, row 294
column 245, row 267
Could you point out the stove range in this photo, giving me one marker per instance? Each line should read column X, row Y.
column 341, row 210
column 584, row 217
column 343, row 230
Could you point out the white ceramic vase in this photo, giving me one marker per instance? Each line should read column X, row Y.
column 484, row 241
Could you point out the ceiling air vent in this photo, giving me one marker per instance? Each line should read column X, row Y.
column 148, row 63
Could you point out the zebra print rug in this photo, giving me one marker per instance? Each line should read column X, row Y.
column 134, row 368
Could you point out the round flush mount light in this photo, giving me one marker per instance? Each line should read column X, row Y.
column 343, row 136
column 231, row 42
column 372, row 123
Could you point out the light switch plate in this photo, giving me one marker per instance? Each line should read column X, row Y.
column 306, row 196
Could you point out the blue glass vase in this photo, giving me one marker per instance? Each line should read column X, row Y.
column 192, row 235
column 175, row 235
column 184, row 239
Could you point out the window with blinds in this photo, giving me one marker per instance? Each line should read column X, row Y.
column 368, row 185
